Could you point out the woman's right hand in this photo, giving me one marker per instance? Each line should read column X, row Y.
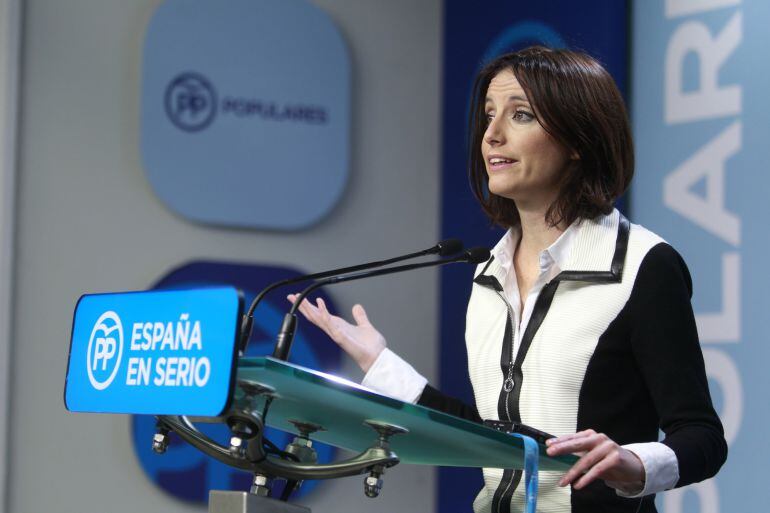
column 360, row 340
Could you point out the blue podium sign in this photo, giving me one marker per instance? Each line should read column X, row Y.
column 160, row 352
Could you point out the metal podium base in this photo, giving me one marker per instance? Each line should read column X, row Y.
column 242, row 502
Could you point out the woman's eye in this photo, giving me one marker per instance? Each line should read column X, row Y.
column 489, row 117
column 522, row 115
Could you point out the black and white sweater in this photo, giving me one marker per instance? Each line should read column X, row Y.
column 611, row 345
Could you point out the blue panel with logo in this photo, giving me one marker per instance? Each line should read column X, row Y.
column 245, row 115
column 169, row 352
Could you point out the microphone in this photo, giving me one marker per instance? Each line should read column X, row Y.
column 289, row 325
column 444, row 248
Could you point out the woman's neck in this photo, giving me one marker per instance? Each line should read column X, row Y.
column 536, row 233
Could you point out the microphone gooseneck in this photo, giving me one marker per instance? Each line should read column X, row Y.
column 446, row 247
column 449, row 247
column 286, row 335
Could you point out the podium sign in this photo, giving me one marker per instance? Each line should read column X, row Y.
column 160, row 352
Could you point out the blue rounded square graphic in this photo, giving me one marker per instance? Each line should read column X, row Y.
column 245, row 112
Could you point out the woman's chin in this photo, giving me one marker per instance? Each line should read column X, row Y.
column 507, row 192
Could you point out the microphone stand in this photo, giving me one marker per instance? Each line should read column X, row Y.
column 289, row 325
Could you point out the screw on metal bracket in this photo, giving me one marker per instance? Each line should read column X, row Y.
column 373, row 482
column 243, row 429
column 160, row 440
column 237, row 448
column 261, row 485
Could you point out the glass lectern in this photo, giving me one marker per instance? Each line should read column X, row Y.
column 320, row 407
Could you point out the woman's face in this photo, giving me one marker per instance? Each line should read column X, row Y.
column 523, row 161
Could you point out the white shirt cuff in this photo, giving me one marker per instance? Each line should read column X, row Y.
column 391, row 375
column 661, row 468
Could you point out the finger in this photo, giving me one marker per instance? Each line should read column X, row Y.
column 327, row 320
column 582, row 466
column 292, row 298
column 587, row 443
column 305, row 308
column 310, row 312
column 320, row 305
column 586, row 463
column 576, row 444
column 571, row 436
column 359, row 314
column 611, row 460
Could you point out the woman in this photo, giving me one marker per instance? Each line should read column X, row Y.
column 580, row 324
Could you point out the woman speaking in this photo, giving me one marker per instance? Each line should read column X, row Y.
column 580, row 323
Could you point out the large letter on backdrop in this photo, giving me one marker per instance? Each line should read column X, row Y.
column 700, row 111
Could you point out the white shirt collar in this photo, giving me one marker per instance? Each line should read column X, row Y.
column 557, row 254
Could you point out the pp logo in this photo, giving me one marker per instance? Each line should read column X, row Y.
column 105, row 348
column 190, row 102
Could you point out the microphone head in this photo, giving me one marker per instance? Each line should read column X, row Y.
column 449, row 247
column 477, row 255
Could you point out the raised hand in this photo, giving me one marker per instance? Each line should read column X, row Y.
column 360, row 340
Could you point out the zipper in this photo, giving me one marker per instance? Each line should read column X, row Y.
column 508, row 383
column 510, row 479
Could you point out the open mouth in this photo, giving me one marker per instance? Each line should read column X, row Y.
column 496, row 163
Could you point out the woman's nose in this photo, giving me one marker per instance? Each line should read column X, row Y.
column 493, row 136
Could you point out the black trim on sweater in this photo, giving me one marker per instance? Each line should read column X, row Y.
column 615, row 274
column 542, row 305
column 489, row 262
column 488, row 281
column 502, row 501
column 433, row 398
column 505, row 363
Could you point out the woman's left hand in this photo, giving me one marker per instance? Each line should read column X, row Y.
column 600, row 458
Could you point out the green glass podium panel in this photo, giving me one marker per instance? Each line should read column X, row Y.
column 341, row 407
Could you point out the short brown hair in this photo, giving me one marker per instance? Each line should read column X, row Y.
column 578, row 104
